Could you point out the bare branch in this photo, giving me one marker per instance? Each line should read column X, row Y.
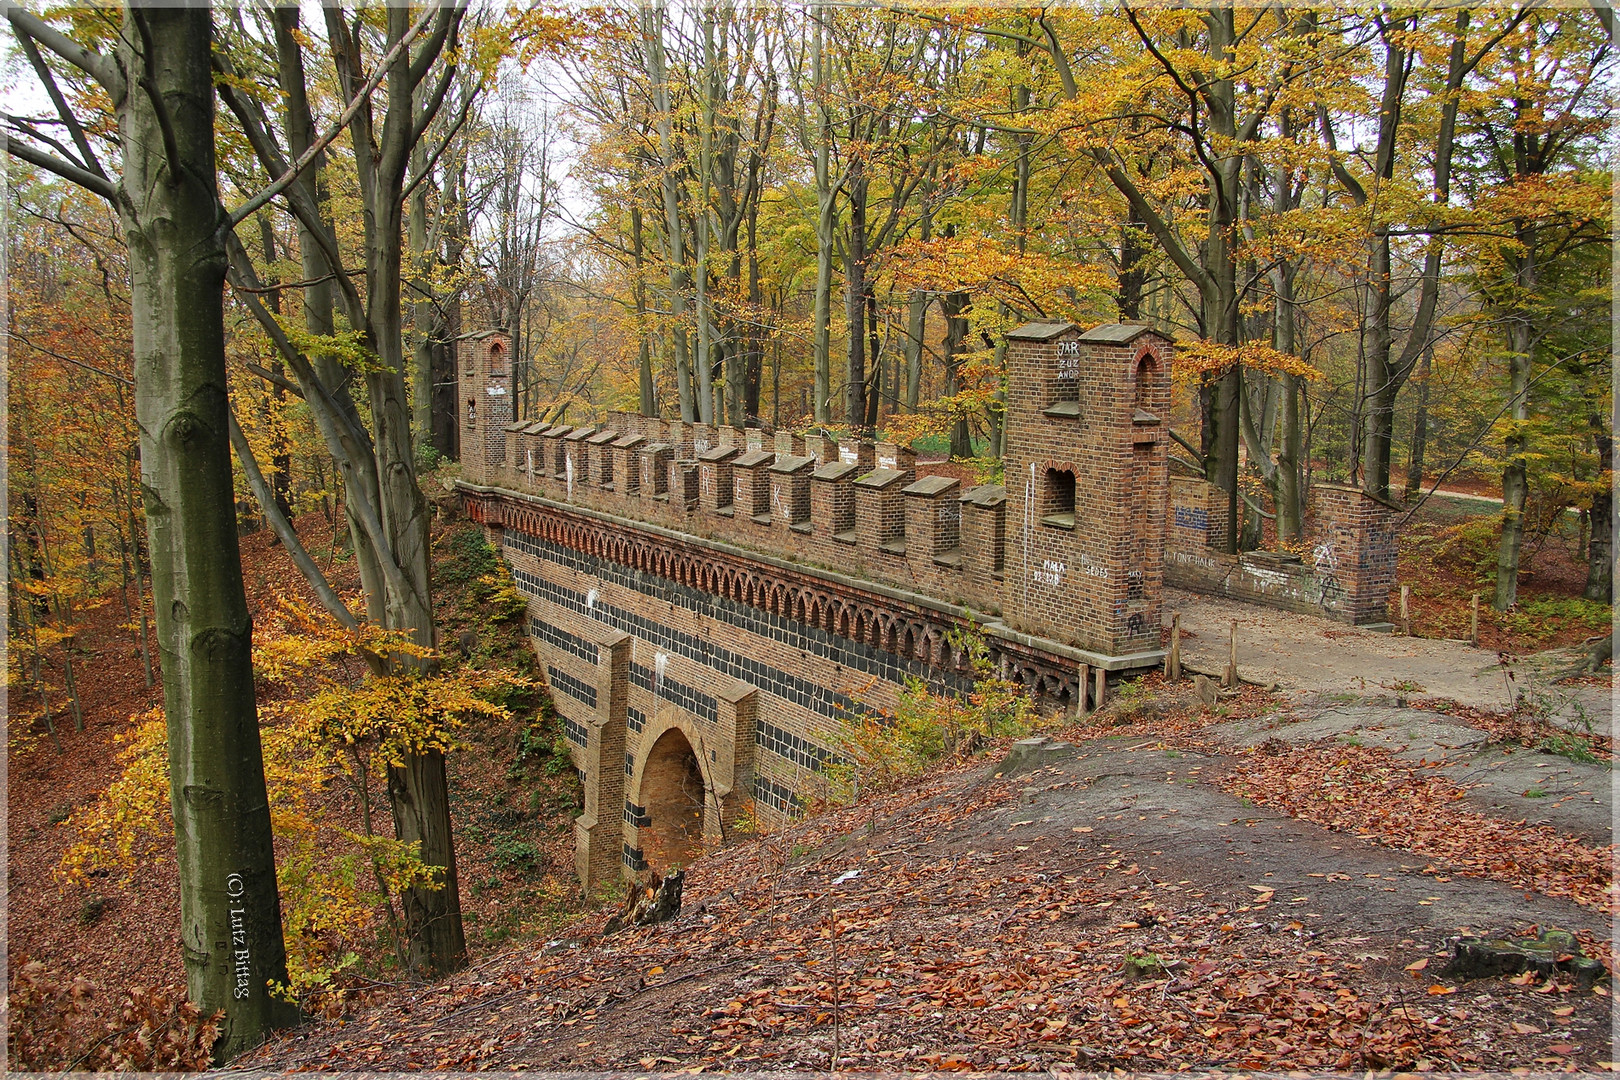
column 87, row 156
column 281, row 183
column 67, row 171
column 285, row 532
column 98, row 67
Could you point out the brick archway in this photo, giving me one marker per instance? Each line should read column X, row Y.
column 673, row 792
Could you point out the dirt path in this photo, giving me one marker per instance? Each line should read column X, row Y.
column 1303, row 652
column 1112, row 901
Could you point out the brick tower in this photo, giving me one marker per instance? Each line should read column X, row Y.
column 484, row 369
column 1087, row 485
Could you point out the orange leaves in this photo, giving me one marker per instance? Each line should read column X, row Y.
column 1207, row 357
column 1032, row 284
column 1375, row 794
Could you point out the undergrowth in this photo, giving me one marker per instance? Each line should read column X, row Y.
column 926, row 727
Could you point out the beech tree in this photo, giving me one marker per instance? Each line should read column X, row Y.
column 387, row 512
column 157, row 77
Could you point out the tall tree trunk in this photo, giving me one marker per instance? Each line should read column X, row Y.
column 1420, row 427
column 916, row 324
column 956, row 328
column 855, row 300
column 644, row 371
column 754, row 371
column 1515, row 480
column 653, row 18
column 432, row 913
column 874, row 348
column 1600, row 546
column 230, row 914
column 826, row 223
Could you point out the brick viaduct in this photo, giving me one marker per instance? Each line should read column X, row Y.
column 712, row 610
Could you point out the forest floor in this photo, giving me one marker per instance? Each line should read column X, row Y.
column 92, row 961
column 1263, row 885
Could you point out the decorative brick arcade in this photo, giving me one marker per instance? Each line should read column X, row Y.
column 713, row 606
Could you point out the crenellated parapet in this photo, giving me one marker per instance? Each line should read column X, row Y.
column 858, row 507
column 1083, row 530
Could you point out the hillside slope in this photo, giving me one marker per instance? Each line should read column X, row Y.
column 1121, row 905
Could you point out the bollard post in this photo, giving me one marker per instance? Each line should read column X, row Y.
column 1473, row 623
column 1406, row 612
column 1230, row 679
column 1172, row 660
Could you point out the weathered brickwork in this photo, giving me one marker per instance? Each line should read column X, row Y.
column 1086, row 484
column 1347, row 575
column 715, row 607
column 483, row 361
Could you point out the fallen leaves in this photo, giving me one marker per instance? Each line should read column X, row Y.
column 1370, row 792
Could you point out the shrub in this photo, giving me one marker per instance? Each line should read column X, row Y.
column 1547, row 616
column 512, row 852
column 1470, row 546
column 926, row 727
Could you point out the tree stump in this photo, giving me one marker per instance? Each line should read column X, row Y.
column 653, row 901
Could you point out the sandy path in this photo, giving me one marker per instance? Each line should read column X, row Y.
column 1302, row 652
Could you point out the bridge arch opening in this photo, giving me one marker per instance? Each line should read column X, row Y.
column 673, row 794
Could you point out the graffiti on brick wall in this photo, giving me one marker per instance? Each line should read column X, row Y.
column 1051, row 572
column 1192, row 517
column 1325, row 561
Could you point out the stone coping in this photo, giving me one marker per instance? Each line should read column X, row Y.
column 790, row 463
column 753, row 459
column 881, row 479
column 932, row 486
column 835, row 470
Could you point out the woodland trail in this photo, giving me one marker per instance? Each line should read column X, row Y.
column 1307, row 653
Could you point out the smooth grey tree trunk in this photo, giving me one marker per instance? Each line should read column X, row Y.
column 653, row 19
column 1420, row 429
column 826, row 223
column 1515, row 475
column 230, row 915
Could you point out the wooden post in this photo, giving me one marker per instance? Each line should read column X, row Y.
column 1473, row 623
column 1406, row 611
column 1172, row 660
column 1082, row 690
column 1100, row 690
column 1230, row 679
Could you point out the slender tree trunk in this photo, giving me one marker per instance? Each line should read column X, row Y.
column 855, row 301
column 653, row 18
column 954, row 304
column 644, row 371
column 826, row 224
column 1515, row 480
column 1420, row 428
column 1599, row 546
column 754, row 370
column 874, row 349
column 230, row 915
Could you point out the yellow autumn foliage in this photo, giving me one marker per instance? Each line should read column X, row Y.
column 336, row 883
column 1207, row 357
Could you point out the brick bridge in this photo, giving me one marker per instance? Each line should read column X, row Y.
column 712, row 610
